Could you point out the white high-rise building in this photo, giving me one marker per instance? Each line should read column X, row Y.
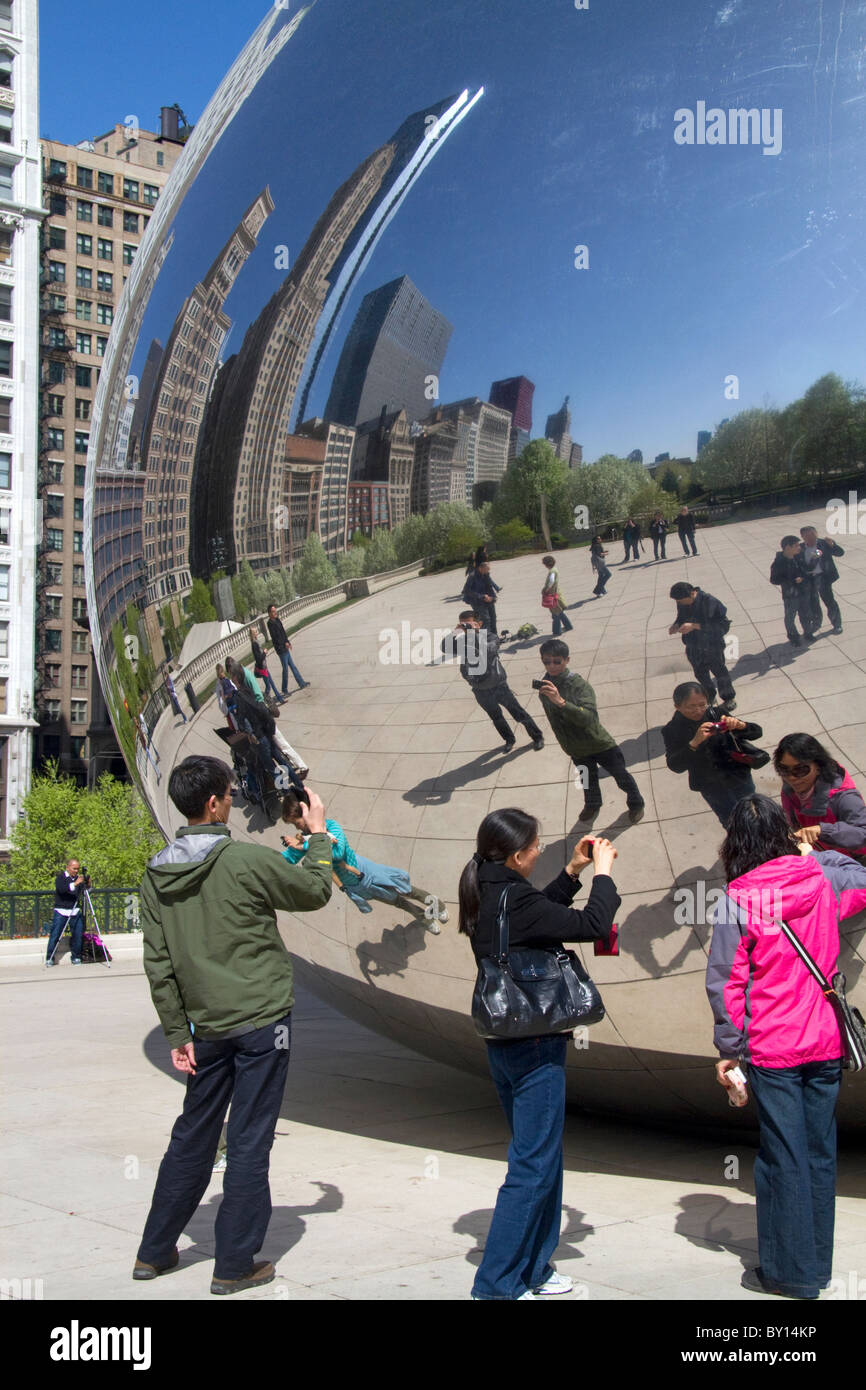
column 21, row 214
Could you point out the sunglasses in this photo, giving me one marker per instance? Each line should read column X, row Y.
column 787, row 771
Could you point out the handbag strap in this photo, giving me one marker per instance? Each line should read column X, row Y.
column 814, row 970
column 502, row 926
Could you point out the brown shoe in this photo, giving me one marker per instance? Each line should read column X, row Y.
column 140, row 1270
column 261, row 1273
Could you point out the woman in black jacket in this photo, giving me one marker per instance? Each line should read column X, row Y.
column 529, row 1074
column 696, row 742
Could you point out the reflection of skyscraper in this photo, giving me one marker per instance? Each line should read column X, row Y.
column 178, row 404
column 392, row 356
column 483, row 432
column 704, row 437
column 514, row 394
column 255, row 393
column 385, row 453
column 558, row 431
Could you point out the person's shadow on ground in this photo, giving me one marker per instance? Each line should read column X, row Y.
column 720, row 1223
column 477, row 1224
column 285, row 1230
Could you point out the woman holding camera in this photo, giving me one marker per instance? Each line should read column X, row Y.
column 529, row 1074
column 696, row 743
column 819, row 797
column 772, row 1018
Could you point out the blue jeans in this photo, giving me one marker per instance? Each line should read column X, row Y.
column 250, row 1071
column 795, row 1174
column 269, row 684
column 561, row 622
column 286, row 659
column 530, row 1078
column 59, row 924
column 722, row 796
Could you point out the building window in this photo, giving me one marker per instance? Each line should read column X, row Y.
column 149, row 194
column 57, row 303
column 104, row 216
column 54, row 505
column 52, row 676
column 6, row 181
column 83, row 376
column 79, row 643
column 84, row 244
column 5, row 128
column 5, row 420
column 4, row 641
column 5, row 359
column 128, row 254
column 77, row 747
column 82, row 409
column 84, row 277
column 80, row 470
column 79, row 678
column 54, row 572
column 106, row 183
column 51, row 605
column 78, row 575
column 78, row 542
column 105, row 249
column 104, row 314
column 6, row 246
column 57, row 337
column 160, row 159
column 81, row 442
column 5, row 471
column 85, row 211
column 55, row 404
column 52, row 707
column 5, row 518
column 79, row 608
column 85, row 177
column 5, row 68
column 57, row 238
column 130, row 222
column 130, row 190
column 105, row 281
column 54, row 538
column 4, row 583
column 6, row 303
column 82, row 309
column 79, row 712
column 101, row 345
column 54, row 471
column 57, row 204
column 83, row 343
column 57, row 272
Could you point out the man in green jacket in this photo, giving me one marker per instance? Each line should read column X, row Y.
column 221, row 981
column 570, row 705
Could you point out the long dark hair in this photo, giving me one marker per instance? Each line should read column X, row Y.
column 757, row 831
column 500, row 835
column 807, row 749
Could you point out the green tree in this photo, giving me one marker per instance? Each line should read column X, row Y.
column 381, row 554
column 606, row 487
column 512, row 535
column 245, row 591
column 314, row 571
column 649, row 498
column 198, row 603
column 350, row 565
column 108, row 829
column 412, row 539
column 745, row 454
column 534, row 490
column 825, row 429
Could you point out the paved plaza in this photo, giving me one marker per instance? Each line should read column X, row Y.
column 387, row 1160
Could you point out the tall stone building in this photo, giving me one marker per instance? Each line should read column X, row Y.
column 99, row 195
column 339, row 443
column 21, row 214
column 385, row 453
column 484, row 432
column 515, row 394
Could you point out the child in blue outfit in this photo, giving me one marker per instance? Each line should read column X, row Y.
column 360, row 879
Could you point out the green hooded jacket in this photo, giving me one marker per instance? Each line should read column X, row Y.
column 576, row 723
column 212, row 952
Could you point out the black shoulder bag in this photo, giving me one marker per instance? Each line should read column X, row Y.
column 535, row 991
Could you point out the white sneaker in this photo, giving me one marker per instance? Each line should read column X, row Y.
column 557, row 1283
column 528, row 1294
column 220, row 1165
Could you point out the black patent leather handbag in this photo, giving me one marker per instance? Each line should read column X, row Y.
column 532, row 992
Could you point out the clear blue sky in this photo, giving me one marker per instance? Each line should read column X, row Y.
column 704, row 260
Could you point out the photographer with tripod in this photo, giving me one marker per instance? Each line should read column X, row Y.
column 69, row 886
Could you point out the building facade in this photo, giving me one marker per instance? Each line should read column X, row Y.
column 339, row 443
column 99, row 195
column 21, row 216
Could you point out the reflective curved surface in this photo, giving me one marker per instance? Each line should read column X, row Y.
column 649, row 212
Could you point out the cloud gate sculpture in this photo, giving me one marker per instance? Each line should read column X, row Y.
column 385, row 207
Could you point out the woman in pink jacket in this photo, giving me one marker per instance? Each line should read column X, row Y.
column 773, row 1020
column 819, row 797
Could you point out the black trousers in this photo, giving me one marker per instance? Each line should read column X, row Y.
column 688, row 536
column 707, row 662
column 822, row 592
column 800, row 604
column 502, row 695
column 486, row 616
column 659, row 544
column 613, row 762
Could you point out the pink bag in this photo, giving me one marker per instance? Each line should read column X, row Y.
column 550, row 599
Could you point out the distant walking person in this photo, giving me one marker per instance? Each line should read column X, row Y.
column 480, row 591
column 283, row 649
column 597, row 553
column 686, row 530
column 788, row 570
column 172, row 694
column 631, row 538
column 215, row 962
column 68, row 888
column 478, row 653
column 818, row 558
column 570, row 704
column 659, row 531
column 552, row 599
column 702, row 622
column 260, row 666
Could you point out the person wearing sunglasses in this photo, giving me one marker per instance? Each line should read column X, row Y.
column 819, row 797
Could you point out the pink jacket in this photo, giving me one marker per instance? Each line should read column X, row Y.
column 767, row 1007
column 837, row 808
